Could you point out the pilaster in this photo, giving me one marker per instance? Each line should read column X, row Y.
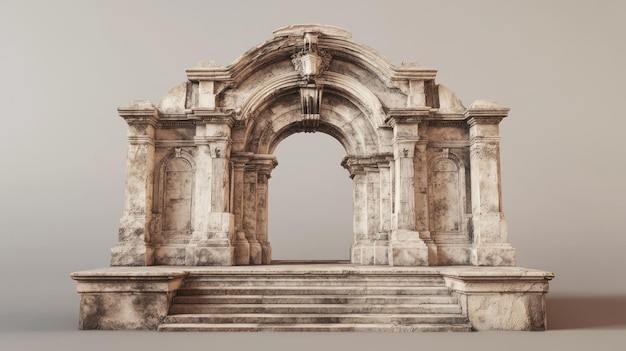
column 406, row 248
column 421, row 200
column 250, row 213
column 359, row 199
column 242, row 248
column 370, row 205
column 490, row 247
column 384, row 169
column 265, row 165
column 133, row 247
column 214, row 225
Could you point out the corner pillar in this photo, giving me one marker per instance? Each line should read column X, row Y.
column 490, row 247
column 134, row 247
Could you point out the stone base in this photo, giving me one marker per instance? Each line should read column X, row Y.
column 493, row 255
column 501, row 298
column 408, row 253
column 209, row 255
column 370, row 253
column 132, row 254
column 266, row 257
column 125, row 298
column 491, row 298
column 242, row 250
column 256, row 252
column 454, row 254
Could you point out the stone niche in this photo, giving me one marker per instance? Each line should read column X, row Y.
column 425, row 169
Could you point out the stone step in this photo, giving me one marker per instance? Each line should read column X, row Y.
column 309, row 299
column 314, row 308
column 315, row 290
column 251, row 327
column 312, row 318
column 298, row 280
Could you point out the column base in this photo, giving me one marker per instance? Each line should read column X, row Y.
column 493, row 255
column 433, row 252
column 266, row 255
column 256, row 252
column 209, row 253
column 132, row 254
column 370, row 253
column 242, row 250
column 407, row 249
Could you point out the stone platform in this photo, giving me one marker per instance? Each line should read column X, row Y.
column 313, row 297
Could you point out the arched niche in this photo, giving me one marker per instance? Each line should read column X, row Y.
column 173, row 209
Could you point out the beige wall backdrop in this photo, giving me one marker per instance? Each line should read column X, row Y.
column 66, row 65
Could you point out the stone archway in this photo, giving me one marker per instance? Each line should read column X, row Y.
column 425, row 169
column 426, row 191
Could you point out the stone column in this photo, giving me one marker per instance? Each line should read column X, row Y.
column 421, row 200
column 201, row 193
column 213, row 226
column 385, row 199
column 490, row 246
column 250, row 213
column 406, row 248
column 133, row 247
column 242, row 248
column 359, row 203
column 265, row 164
column 378, row 241
column 384, row 209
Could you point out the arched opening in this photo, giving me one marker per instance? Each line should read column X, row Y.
column 310, row 200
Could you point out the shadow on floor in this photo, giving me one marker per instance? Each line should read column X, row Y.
column 586, row 312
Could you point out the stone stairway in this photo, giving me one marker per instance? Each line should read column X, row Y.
column 274, row 299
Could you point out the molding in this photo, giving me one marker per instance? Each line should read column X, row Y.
column 164, row 124
column 487, row 119
column 175, row 143
column 446, row 123
column 212, row 116
column 406, row 115
column 448, row 143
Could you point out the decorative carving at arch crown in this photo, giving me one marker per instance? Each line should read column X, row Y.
column 425, row 169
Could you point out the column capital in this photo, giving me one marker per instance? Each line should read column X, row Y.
column 421, row 145
column 357, row 164
column 240, row 159
column 406, row 116
column 139, row 112
column 265, row 164
column 485, row 112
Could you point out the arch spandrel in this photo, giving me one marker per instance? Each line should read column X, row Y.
column 341, row 119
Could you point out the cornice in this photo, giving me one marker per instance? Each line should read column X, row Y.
column 485, row 112
column 406, row 115
column 212, row 116
column 139, row 112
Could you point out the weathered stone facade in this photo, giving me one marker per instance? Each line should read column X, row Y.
column 426, row 170
column 426, row 186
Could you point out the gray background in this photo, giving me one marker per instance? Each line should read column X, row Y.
column 66, row 65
